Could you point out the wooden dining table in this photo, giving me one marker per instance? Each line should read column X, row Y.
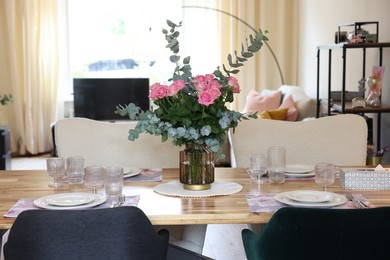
column 169, row 210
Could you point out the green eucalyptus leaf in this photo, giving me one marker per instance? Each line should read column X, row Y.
column 186, row 60
column 241, row 59
column 174, row 58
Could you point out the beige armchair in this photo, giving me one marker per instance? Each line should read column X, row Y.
column 104, row 143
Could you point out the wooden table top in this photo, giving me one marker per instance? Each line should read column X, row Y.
column 165, row 210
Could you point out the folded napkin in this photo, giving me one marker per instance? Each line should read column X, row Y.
column 27, row 204
column 146, row 175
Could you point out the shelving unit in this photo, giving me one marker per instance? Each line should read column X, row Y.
column 343, row 106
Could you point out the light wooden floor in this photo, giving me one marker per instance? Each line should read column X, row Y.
column 223, row 242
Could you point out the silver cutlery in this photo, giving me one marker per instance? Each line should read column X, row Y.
column 357, row 202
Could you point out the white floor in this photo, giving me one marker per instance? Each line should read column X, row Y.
column 222, row 242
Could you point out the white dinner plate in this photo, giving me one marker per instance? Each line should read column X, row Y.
column 69, row 199
column 336, row 200
column 130, row 172
column 41, row 203
column 309, row 196
column 299, row 168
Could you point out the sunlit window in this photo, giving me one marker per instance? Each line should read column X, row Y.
column 120, row 38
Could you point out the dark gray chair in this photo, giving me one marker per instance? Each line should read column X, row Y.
column 308, row 233
column 114, row 233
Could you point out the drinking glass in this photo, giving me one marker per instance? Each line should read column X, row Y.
column 94, row 177
column 55, row 169
column 258, row 167
column 114, row 183
column 324, row 174
column 276, row 164
column 75, row 169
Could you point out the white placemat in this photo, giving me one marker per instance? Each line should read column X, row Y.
column 175, row 189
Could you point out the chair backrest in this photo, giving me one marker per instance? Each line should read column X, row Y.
column 105, row 143
column 308, row 233
column 114, row 233
column 340, row 139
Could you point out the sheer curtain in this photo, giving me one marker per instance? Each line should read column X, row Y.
column 280, row 18
column 29, row 49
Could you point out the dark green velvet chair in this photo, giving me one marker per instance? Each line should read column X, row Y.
column 308, row 233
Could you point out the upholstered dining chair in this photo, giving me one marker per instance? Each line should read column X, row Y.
column 113, row 233
column 339, row 139
column 313, row 233
column 105, row 143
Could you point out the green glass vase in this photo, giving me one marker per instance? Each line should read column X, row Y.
column 196, row 167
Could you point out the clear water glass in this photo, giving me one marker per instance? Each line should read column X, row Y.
column 75, row 169
column 94, row 177
column 113, row 183
column 276, row 164
column 55, row 169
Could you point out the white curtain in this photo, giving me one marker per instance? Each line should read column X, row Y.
column 280, row 18
column 29, row 51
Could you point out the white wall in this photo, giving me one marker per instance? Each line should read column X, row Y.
column 318, row 23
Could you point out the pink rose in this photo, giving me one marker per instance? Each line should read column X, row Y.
column 175, row 87
column 201, row 82
column 158, row 91
column 214, row 84
column 233, row 82
column 208, row 96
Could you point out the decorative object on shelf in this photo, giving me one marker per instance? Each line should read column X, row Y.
column 192, row 110
column 375, row 157
column 375, row 86
column 358, row 35
column 359, row 102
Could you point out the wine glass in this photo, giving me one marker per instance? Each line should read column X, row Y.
column 94, row 177
column 258, row 167
column 55, row 169
column 324, row 174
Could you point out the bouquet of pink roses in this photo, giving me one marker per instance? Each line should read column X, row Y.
column 192, row 109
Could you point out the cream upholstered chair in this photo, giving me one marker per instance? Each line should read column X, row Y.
column 104, row 143
column 340, row 139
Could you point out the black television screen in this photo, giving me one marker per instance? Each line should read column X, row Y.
column 97, row 98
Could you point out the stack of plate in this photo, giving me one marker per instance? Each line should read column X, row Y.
column 70, row 201
column 311, row 198
column 130, row 172
column 299, row 170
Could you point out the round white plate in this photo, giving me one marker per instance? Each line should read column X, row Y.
column 69, row 199
column 309, row 196
column 130, row 172
column 336, row 201
column 299, row 168
column 41, row 203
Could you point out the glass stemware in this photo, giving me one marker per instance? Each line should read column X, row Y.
column 258, row 167
column 56, row 169
column 324, row 174
column 94, row 177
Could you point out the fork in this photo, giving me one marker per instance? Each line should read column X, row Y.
column 357, row 202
